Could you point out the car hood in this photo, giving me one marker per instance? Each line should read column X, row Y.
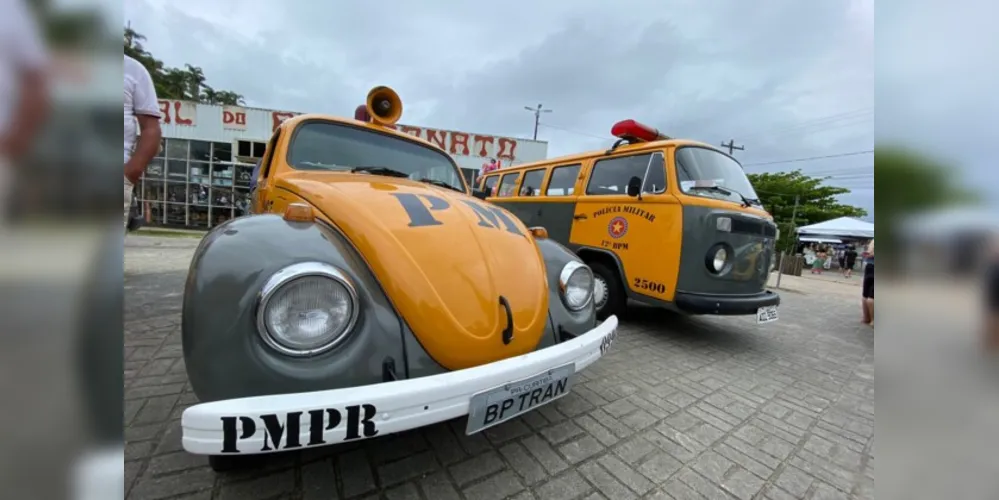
column 447, row 261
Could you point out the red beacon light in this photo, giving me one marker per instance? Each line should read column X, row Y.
column 361, row 114
column 632, row 131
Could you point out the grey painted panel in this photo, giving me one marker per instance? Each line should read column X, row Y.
column 224, row 355
column 572, row 322
column 700, row 234
column 555, row 217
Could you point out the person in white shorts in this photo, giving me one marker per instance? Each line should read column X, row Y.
column 142, row 116
column 23, row 94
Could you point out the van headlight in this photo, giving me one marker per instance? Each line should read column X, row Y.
column 306, row 309
column 576, row 285
column 717, row 258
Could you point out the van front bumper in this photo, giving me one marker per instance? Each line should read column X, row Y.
column 724, row 305
column 267, row 424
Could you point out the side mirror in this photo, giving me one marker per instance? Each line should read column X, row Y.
column 480, row 193
column 634, row 186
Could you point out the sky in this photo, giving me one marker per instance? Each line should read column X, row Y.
column 786, row 79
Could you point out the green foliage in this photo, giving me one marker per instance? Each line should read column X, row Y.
column 911, row 182
column 817, row 203
column 186, row 83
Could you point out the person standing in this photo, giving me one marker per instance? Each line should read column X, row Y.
column 23, row 89
column 867, row 304
column 142, row 125
column 850, row 259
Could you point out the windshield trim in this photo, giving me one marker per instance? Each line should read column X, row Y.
column 386, row 133
column 702, row 194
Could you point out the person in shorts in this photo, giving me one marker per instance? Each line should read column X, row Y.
column 142, row 126
column 867, row 303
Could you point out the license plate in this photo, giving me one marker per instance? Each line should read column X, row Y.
column 766, row 314
column 497, row 405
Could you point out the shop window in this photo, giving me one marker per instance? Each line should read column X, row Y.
column 222, row 174
column 154, row 170
column 176, row 192
column 244, row 173
column 176, row 148
column 259, row 148
column 199, row 172
column 221, row 151
column 198, row 217
column 176, row 170
column 152, row 190
column 241, row 201
column 176, row 214
column 200, row 151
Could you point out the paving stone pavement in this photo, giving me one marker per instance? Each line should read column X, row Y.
column 681, row 408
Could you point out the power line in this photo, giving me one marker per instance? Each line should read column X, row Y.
column 810, row 158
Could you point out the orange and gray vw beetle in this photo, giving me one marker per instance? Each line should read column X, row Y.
column 370, row 292
column 667, row 222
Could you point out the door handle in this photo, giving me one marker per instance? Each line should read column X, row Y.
column 579, row 216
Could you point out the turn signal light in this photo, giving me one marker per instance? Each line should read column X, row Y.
column 539, row 232
column 299, row 212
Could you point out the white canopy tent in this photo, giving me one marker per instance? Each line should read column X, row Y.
column 841, row 227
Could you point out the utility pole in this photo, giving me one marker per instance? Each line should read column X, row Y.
column 537, row 117
column 732, row 147
column 780, row 264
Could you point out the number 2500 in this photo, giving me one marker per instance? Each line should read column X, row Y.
column 652, row 286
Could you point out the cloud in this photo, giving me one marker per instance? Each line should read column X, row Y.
column 780, row 77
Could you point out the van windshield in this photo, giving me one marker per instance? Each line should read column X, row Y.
column 706, row 172
column 322, row 145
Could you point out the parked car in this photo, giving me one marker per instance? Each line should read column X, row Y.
column 369, row 292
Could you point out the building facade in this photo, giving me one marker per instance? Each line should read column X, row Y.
column 201, row 176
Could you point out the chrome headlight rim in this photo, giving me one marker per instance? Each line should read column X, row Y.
column 563, row 280
column 711, row 258
column 288, row 275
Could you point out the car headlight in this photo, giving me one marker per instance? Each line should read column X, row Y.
column 717, row 259
column 306, row 309
column 576, row 285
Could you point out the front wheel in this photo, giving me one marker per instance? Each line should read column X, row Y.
column 608, row 292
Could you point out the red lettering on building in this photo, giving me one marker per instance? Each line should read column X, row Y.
column 507, row 148
column 480, row 144
column 178, row 112
column 459, row 143
column 233, row 118
column 278, row 117
column 437, row 138
column 411, row 130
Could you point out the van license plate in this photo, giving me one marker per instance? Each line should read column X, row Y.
column 500, row 404
column 766, row 314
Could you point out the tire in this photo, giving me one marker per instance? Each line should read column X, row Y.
column 614, row 297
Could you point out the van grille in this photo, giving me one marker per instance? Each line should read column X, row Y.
column 755, row 227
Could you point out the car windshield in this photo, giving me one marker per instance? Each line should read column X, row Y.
column 706, row 172
column 323, row 145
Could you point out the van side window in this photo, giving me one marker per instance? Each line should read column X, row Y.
column 611, row 175
column 508, row 184
column 563, row 180
column 489, row 184
column 532, row 182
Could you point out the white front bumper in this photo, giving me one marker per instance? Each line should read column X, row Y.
column 267, row 424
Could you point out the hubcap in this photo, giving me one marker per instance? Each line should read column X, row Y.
column 599, row 291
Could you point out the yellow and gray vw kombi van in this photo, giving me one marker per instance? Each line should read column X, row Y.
column 667, row 222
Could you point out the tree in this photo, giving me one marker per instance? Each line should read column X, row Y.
column 188, row 83
column 912, row 182
column 817, row 203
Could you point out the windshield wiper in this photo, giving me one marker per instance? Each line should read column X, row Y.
column 442, row 184
column 746, row 202
column 378, row 170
